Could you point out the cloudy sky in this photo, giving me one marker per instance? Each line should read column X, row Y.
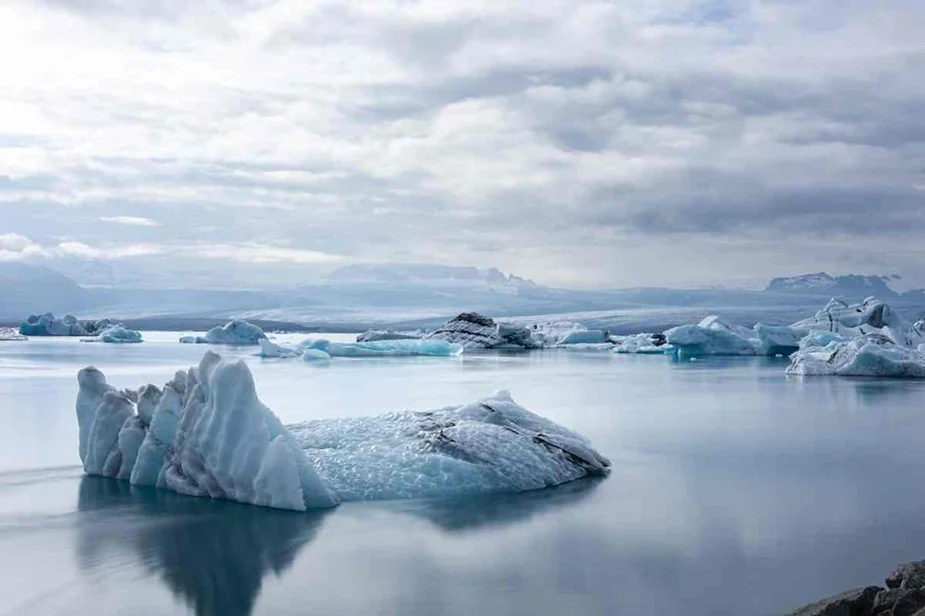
column 657, row 142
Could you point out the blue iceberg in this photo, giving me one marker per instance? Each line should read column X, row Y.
column 236, row 333
column 206, row 433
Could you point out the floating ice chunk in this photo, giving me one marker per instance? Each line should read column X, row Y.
column 320, row 348
column 871, row 316
column 869, row 355
column 392, row 348
column 118, row 334
column 222, row 443
column 47, row 325
column 271, row 349
column 375, row 335
column 472, row 331
column 8, row 334
column 491, row 445
column 237, row 332
column 712, row 336
column 644, row 344
column 229, row 445
column 209, row 435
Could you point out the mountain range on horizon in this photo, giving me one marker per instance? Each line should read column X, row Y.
column 413, row 293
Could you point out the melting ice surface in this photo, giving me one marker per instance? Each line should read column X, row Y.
column 207, row 434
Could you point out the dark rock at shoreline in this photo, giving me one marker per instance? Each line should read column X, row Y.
column 857, row 602
column 904, row 596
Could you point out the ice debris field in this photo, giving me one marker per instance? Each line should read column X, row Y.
column 841, row 339
column 206, row 433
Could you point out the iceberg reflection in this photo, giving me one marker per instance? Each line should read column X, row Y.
column 212, row 555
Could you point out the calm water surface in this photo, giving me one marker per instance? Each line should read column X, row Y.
column 735, row 490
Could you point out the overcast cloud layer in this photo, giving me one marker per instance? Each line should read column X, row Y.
column 641, row 142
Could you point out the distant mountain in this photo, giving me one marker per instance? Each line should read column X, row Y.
column 820, row 283
column 29, row 289
column 425, row 274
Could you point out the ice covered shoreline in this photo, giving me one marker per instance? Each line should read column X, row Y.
column 206, row 433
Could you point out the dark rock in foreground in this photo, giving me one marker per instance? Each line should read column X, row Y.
column 904, row 596
column 857, row 602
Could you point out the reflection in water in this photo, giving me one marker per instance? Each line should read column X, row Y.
column 495, row 510
column 212, row 554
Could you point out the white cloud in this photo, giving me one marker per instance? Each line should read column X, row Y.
column 15, row 247
column 483, row 133
column 261, row 253
column 135, row 221
column 80, row 250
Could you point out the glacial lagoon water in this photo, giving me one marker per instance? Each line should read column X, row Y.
column 735, row 490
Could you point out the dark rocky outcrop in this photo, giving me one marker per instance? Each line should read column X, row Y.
column 904, row 596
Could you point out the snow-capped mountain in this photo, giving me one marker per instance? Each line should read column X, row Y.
column 822, row 283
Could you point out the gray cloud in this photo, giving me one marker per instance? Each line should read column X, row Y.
column 556, row 140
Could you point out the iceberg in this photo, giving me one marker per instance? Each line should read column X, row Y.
column 871, row 316
column 119, row 334
column 712, row 336
column 48, row 325
column 236, row 332
column 474, row 331
column 206, row 433
column 867, row 355
column 643, row 344
column 8, row 334
column 376, row 335
column 271, row 349
column 836, row 321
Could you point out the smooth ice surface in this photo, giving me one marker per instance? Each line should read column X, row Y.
column 207, row 434
column 236, row 333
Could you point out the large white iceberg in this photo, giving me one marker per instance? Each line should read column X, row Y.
column 48, row 325
column 236, row 332
column 321, row 348
column 207, row 434
column 867, row 355
column 474, row 331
